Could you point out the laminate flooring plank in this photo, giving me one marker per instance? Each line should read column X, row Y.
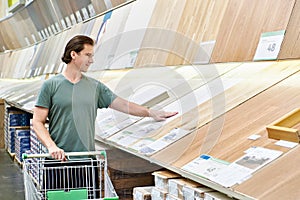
column 134, row 32
column 242, row 25
column 99, row 6
column 200, row 22
column 8, row 32
column 290, row 46
column 117, row 2
column 246, row 119
column 160, row 34
column 278, row 180
column 109, row 35
column 249, row 86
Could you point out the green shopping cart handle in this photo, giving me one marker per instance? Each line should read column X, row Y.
column 111, row 198
column 44, row 155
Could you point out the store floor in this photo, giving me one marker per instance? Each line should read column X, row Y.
column 11, row 178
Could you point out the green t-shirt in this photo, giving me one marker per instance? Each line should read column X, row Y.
column 73, row 110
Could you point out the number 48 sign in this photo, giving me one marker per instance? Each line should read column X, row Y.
column 269, row 45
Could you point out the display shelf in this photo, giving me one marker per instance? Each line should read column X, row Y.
column 269, row 79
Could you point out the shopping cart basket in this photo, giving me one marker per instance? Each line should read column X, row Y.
column 80, row 178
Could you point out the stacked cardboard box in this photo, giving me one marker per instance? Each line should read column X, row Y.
column 215, row 196
column 2, row 114
column 22, row 142
column 14, row 119
column 142, row 193
column 171, row 186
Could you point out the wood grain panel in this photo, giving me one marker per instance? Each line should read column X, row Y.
column 290, row 47
column 251, row 84
column 199, row 22
column 279, row 180
column 243, row 23
column 159, row 37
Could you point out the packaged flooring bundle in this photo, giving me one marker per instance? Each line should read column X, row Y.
column 161, row 179
column 142, row 193
column 176, row 186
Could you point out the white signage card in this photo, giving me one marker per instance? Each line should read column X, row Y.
column 258, row 157
column 205, row 166
column 142, row 143
column 204, row 52
column 269, row 45
column 138, row 131
column 287, row 144
column 165, row 141
column 244, row 167
column 232, row 175
column 254, row 137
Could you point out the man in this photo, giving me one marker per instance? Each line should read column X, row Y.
column 70, row 101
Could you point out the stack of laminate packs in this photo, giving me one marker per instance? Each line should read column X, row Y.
column 14, row 119
column 171, row 186
column 22, row 142
column 36, row 147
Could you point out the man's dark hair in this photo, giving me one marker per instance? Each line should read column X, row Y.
column 76, row 44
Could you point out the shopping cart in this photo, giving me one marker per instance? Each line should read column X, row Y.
column 81, row 178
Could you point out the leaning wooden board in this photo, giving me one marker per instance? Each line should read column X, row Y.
column 249, row 86
column 290, row 47
column 199, row 22
column 164, row 21
column 243, row 23
column 279, row 180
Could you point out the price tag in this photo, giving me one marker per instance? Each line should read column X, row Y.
column 269, row 45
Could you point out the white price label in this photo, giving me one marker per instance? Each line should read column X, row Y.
column 269, row 45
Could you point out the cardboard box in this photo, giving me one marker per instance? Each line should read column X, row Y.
column 170, row 197
column 161, row 179
column 195, row 193
column 142, row 193
column 215, row 196
column 176, row 186
column 157, row 194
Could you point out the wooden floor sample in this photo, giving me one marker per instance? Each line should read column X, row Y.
column 279, row 180
column 160, row 33
column 250, row 86
column 200, row 22
column 244, row 120
column 290, row 47
column 243, row 23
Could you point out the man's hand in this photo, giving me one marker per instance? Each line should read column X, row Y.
column 160, row 115
column 57, row 153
